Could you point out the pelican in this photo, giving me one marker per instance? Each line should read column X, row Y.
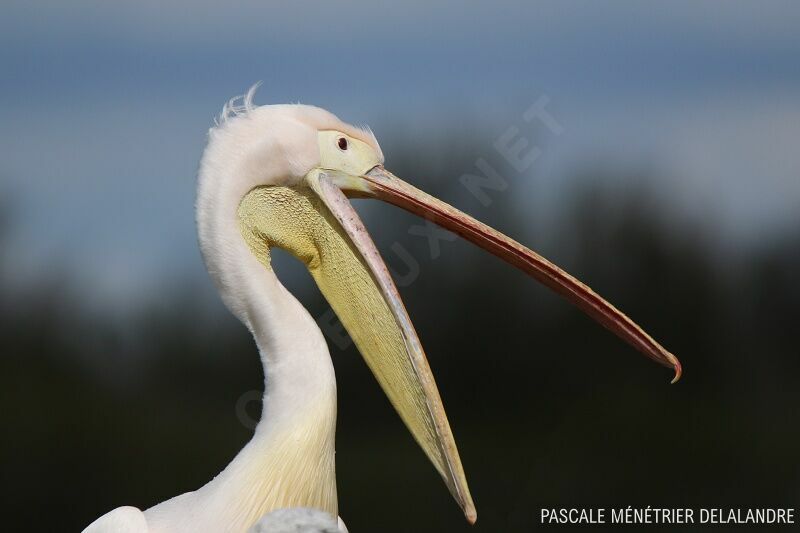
column 279, row 176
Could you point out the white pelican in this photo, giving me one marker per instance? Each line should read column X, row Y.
column 279, row 176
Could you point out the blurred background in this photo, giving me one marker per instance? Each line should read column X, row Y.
column 670, row 184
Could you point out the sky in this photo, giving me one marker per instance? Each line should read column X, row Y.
column 105, row 107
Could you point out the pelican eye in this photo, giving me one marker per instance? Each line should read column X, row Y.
column 342, row 142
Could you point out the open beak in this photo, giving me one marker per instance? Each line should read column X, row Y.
column 357, row 283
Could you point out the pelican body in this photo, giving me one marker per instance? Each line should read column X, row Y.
column 279, row 176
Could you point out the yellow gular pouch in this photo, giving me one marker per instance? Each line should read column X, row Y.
column 295, row 219
column 282, row 217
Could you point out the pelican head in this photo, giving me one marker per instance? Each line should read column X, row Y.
column 280, row 176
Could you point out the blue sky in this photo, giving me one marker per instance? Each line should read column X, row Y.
column 105, row 106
